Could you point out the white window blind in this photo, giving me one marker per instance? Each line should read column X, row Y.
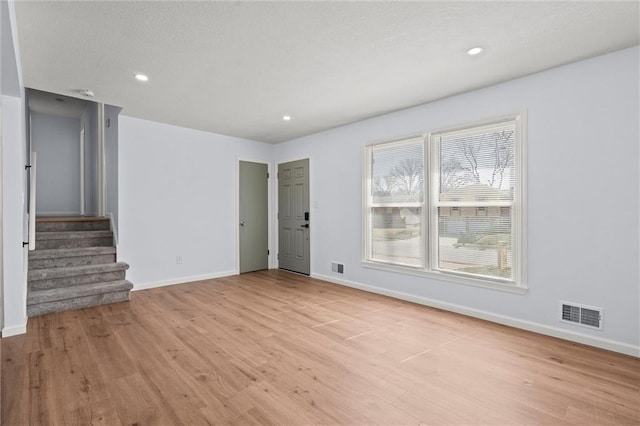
column 396, row 201
column 475, row 184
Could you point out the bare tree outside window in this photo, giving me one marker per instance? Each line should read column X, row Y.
column 482, row 159
column 404, row 178
column 476, row 168
column 397, row 177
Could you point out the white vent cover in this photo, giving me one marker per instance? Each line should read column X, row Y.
column 586, row 316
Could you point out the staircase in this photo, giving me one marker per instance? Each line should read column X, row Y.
column 74, row 266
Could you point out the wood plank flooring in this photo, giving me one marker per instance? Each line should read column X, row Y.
column 276, row 348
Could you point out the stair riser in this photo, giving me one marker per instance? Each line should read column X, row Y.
column 102, row 225
column 71, row 261
column 76, row 280
column 77, row 303
column 73, row 243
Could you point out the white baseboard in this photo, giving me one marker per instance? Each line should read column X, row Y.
column 182, row 280
column 572, row 336
column 14, row 330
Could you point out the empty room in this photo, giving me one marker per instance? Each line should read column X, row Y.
column 320, row 212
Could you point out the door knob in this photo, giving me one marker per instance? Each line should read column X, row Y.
column 242, row 223
column 306, row 225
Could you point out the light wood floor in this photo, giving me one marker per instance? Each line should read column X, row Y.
column 276, row 348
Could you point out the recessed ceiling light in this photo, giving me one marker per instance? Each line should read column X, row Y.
column 142, row 77
column 286, row 117
column 474, row 50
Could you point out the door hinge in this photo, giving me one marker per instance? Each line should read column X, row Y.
column 268, row 252
column 267, row 175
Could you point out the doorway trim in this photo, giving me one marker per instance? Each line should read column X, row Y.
column 271, row 256
column 312, row 208
column 1, row 233
column 82, row 148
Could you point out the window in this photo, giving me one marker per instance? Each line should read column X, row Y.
column 450, row 205
column 396, row 203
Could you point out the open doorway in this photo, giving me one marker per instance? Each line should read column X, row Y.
column 55, row 128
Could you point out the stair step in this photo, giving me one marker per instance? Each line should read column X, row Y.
column 72, row 224
column 72, row 252
column 50, row 278
column 40, row 302
column 72, row 235
column 73, row 239
column 59, row 258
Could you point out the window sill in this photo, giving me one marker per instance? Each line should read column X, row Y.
column 443, row 276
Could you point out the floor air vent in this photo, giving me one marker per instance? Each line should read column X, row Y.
column 587, row 316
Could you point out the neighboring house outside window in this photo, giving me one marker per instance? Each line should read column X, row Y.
column 462, row 216
column 396, row 203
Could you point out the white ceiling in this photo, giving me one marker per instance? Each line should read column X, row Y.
column 52, row 104
column 236, row 68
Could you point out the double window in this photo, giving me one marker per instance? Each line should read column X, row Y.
column 450, row 204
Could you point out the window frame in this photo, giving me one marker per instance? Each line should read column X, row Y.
column 429, row 215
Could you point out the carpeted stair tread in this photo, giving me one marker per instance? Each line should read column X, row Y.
column 70, row 252
column 71, row 271
column 68, row 257
column 108, row 292
column 74, row 266
column 49, row 225
column 58, row 219
column 52, row 295
column 70, row 235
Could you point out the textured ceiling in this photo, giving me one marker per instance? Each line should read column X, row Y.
column 52, row 104
column 236, row 68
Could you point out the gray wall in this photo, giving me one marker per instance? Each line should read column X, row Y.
column 89, row 120
column 111, row 153
column 56, row 140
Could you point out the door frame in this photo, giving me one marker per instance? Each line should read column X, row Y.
column 270, row 262
column 1, row 233
column 312, row 207
column 82, row 148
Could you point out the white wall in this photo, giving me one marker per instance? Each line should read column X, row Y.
column 111, row 160
column 13, row 174
column 10, row 78
column 56, row 140
column 583, row 188
column 89, row 121
column 2, row 72
column 13, row 177
column 177, row 197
